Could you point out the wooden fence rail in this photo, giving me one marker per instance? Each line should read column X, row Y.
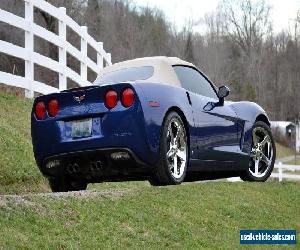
column 31, row 57
column 288, row 172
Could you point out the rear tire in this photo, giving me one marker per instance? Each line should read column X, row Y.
column 65, row 185
column 263, row 154
column 173, row 152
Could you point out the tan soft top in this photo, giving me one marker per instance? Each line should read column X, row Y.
column 163, row 71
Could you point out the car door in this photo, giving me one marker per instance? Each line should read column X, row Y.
column 215, row 124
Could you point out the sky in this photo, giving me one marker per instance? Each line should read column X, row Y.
column 180, row 12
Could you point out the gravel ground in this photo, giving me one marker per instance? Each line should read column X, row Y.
column 26, row 199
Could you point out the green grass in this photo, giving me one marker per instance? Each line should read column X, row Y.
column 18, row 171
column 192, row 216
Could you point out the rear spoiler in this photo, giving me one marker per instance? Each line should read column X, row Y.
column 80, row 88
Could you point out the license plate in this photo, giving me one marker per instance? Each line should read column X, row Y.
column 82, row 128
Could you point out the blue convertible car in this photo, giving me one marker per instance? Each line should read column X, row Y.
column 158, row 119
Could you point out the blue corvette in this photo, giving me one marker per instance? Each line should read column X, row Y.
column 158, row 119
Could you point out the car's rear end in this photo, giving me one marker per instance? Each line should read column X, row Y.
column 95, row 132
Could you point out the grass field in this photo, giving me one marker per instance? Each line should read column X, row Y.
column 190, row 216
column 130, row 214
column 18, row 171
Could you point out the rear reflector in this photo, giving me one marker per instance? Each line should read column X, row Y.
column 111, row 99
column 40, row 110
column 53, row 108
column 127, row 97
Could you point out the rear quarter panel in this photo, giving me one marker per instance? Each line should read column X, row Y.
column 169, row 98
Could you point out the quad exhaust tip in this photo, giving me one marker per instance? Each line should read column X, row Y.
column 96, row 166
column 73, row 168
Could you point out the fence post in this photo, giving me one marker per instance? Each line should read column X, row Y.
column 83, row 66
column 29, row 46
column 108, row 59
column 280, row 171
column 62, row 32
column 99, row 56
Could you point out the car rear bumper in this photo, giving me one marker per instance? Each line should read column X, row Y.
column 114, row 129
column 97, row 164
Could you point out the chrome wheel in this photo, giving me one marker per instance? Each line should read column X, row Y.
column 262, row 152
column 176, row 148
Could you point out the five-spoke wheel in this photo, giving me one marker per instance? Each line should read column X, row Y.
column 262, row 154
column 173, row 152
column 177, row 148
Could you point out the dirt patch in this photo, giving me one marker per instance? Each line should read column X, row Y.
column 5, row 200
column 25, row 199
column 31, row 201
column 113, row 193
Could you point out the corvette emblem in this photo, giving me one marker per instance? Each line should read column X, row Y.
column 79, row 98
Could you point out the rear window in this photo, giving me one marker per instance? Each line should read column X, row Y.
column 125, row 75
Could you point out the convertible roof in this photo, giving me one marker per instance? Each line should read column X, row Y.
column 163, row 71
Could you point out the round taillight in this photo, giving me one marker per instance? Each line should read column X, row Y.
column 127, row 97
column 111, row 99
column 40, row 110
column 53, row 108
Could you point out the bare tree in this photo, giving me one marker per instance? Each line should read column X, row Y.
column 247, row 22
column 237, row 45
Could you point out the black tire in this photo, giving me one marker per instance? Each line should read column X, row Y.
column 163, row 173
column 65, row 185
column 248, row 175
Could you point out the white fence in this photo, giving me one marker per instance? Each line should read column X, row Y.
column 31, row 58
column 282, row 172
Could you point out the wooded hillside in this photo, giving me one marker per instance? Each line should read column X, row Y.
column 237, row 46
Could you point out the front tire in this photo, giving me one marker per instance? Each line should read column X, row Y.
column 263, row 154
column 173, row 152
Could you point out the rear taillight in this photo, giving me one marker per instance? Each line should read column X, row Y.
column 111, row 99
column 40, row 110
column 53, row 108
column 127, row 98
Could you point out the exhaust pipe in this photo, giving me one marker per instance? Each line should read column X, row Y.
column 76, row 168
column 73, row 168
column 99, row 165
column 92, row 166
column 96, row 166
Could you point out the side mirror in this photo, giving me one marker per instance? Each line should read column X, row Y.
column 222, row 93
